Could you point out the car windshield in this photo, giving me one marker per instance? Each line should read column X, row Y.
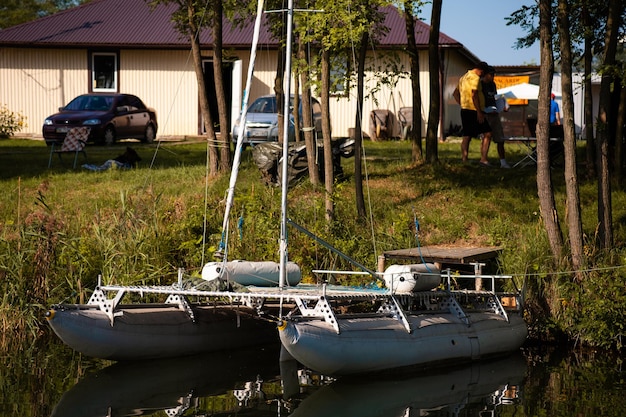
column 266, row 105
column 90, row 103
column 263, row 105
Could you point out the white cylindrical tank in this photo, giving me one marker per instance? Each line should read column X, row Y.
column 410, row 278
column 259, row 274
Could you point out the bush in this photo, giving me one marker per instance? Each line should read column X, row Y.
column 10, row 122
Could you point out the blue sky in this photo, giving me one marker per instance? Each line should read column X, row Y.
column 480, row 26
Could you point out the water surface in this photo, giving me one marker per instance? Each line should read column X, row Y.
column 54, row 381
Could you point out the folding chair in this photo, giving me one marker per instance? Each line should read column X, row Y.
column 75, row 141
column 405, row 115
column 380, row 124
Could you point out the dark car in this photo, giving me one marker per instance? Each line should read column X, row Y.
column 262, row 121
column 110, row 117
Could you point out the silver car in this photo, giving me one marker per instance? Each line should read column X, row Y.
column 262, row 121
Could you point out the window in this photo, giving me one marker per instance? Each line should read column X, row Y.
column 132, row 102
column 339, row 76
column 104, row 71
column 263, row 105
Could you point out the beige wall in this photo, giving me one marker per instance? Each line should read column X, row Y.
column 165, row 81
column 36, row 82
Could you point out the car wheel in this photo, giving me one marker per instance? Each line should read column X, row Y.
column 109, row 135
column 150, row 134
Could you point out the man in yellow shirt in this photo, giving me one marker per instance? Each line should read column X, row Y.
column 470, row 96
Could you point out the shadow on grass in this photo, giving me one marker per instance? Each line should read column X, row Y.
column 30, row 158
column 390, row 158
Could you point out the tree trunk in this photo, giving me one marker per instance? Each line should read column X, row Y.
column 416, row 131
column 307, row 115
column 296, row 105
column 328, row 150
column 573, row 211
column 619, row 136
column 433, row 67
column 358, row 129
column 218, row 74
column 588, row 97
column 545, row 190
column 603, row 130
column 279, row 90
column 204, row 101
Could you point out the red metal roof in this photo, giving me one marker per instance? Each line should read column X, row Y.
column 394, row 20
column 131, row 23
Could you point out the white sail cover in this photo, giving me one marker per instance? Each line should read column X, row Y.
column 408, row 278
column 259, row 274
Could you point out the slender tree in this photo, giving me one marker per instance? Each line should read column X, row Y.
column 545, row 189
column 358, row 128
column 329, row 175
column 307, row 115
column 435, row 94
column 410, row 11
column 280, row 26
column 573, row 212
column 189, row 19
column 366, row 28
column 603, row 128
column 588, row 36
column 620, row 121
column 297, row 121
column 340, row 28
column 205, row 109
column 218, row 75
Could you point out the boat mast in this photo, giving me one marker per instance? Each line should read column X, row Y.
column 222, row 250
column 282, row 277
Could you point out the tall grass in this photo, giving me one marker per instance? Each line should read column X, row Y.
column 61, row 228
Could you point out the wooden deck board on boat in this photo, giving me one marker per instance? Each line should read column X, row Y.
column 442, row 254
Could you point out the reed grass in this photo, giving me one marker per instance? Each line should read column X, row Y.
column 60, row 228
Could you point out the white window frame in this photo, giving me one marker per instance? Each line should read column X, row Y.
column 94, row 77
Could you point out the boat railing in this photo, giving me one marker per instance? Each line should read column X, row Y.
column 448, row 280
column 108, row 297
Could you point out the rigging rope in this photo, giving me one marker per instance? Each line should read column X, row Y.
column 417, row 240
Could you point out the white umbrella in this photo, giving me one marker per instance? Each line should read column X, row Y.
column 523, row 91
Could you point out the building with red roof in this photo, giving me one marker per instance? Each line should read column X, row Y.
column 125, row 46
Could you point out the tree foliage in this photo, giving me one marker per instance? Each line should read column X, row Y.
column 15, row 12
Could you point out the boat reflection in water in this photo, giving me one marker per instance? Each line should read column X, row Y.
column 474, row 390
column 255, row 381
column 174, row 385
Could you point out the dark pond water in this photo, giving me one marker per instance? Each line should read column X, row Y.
column 54, row 381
